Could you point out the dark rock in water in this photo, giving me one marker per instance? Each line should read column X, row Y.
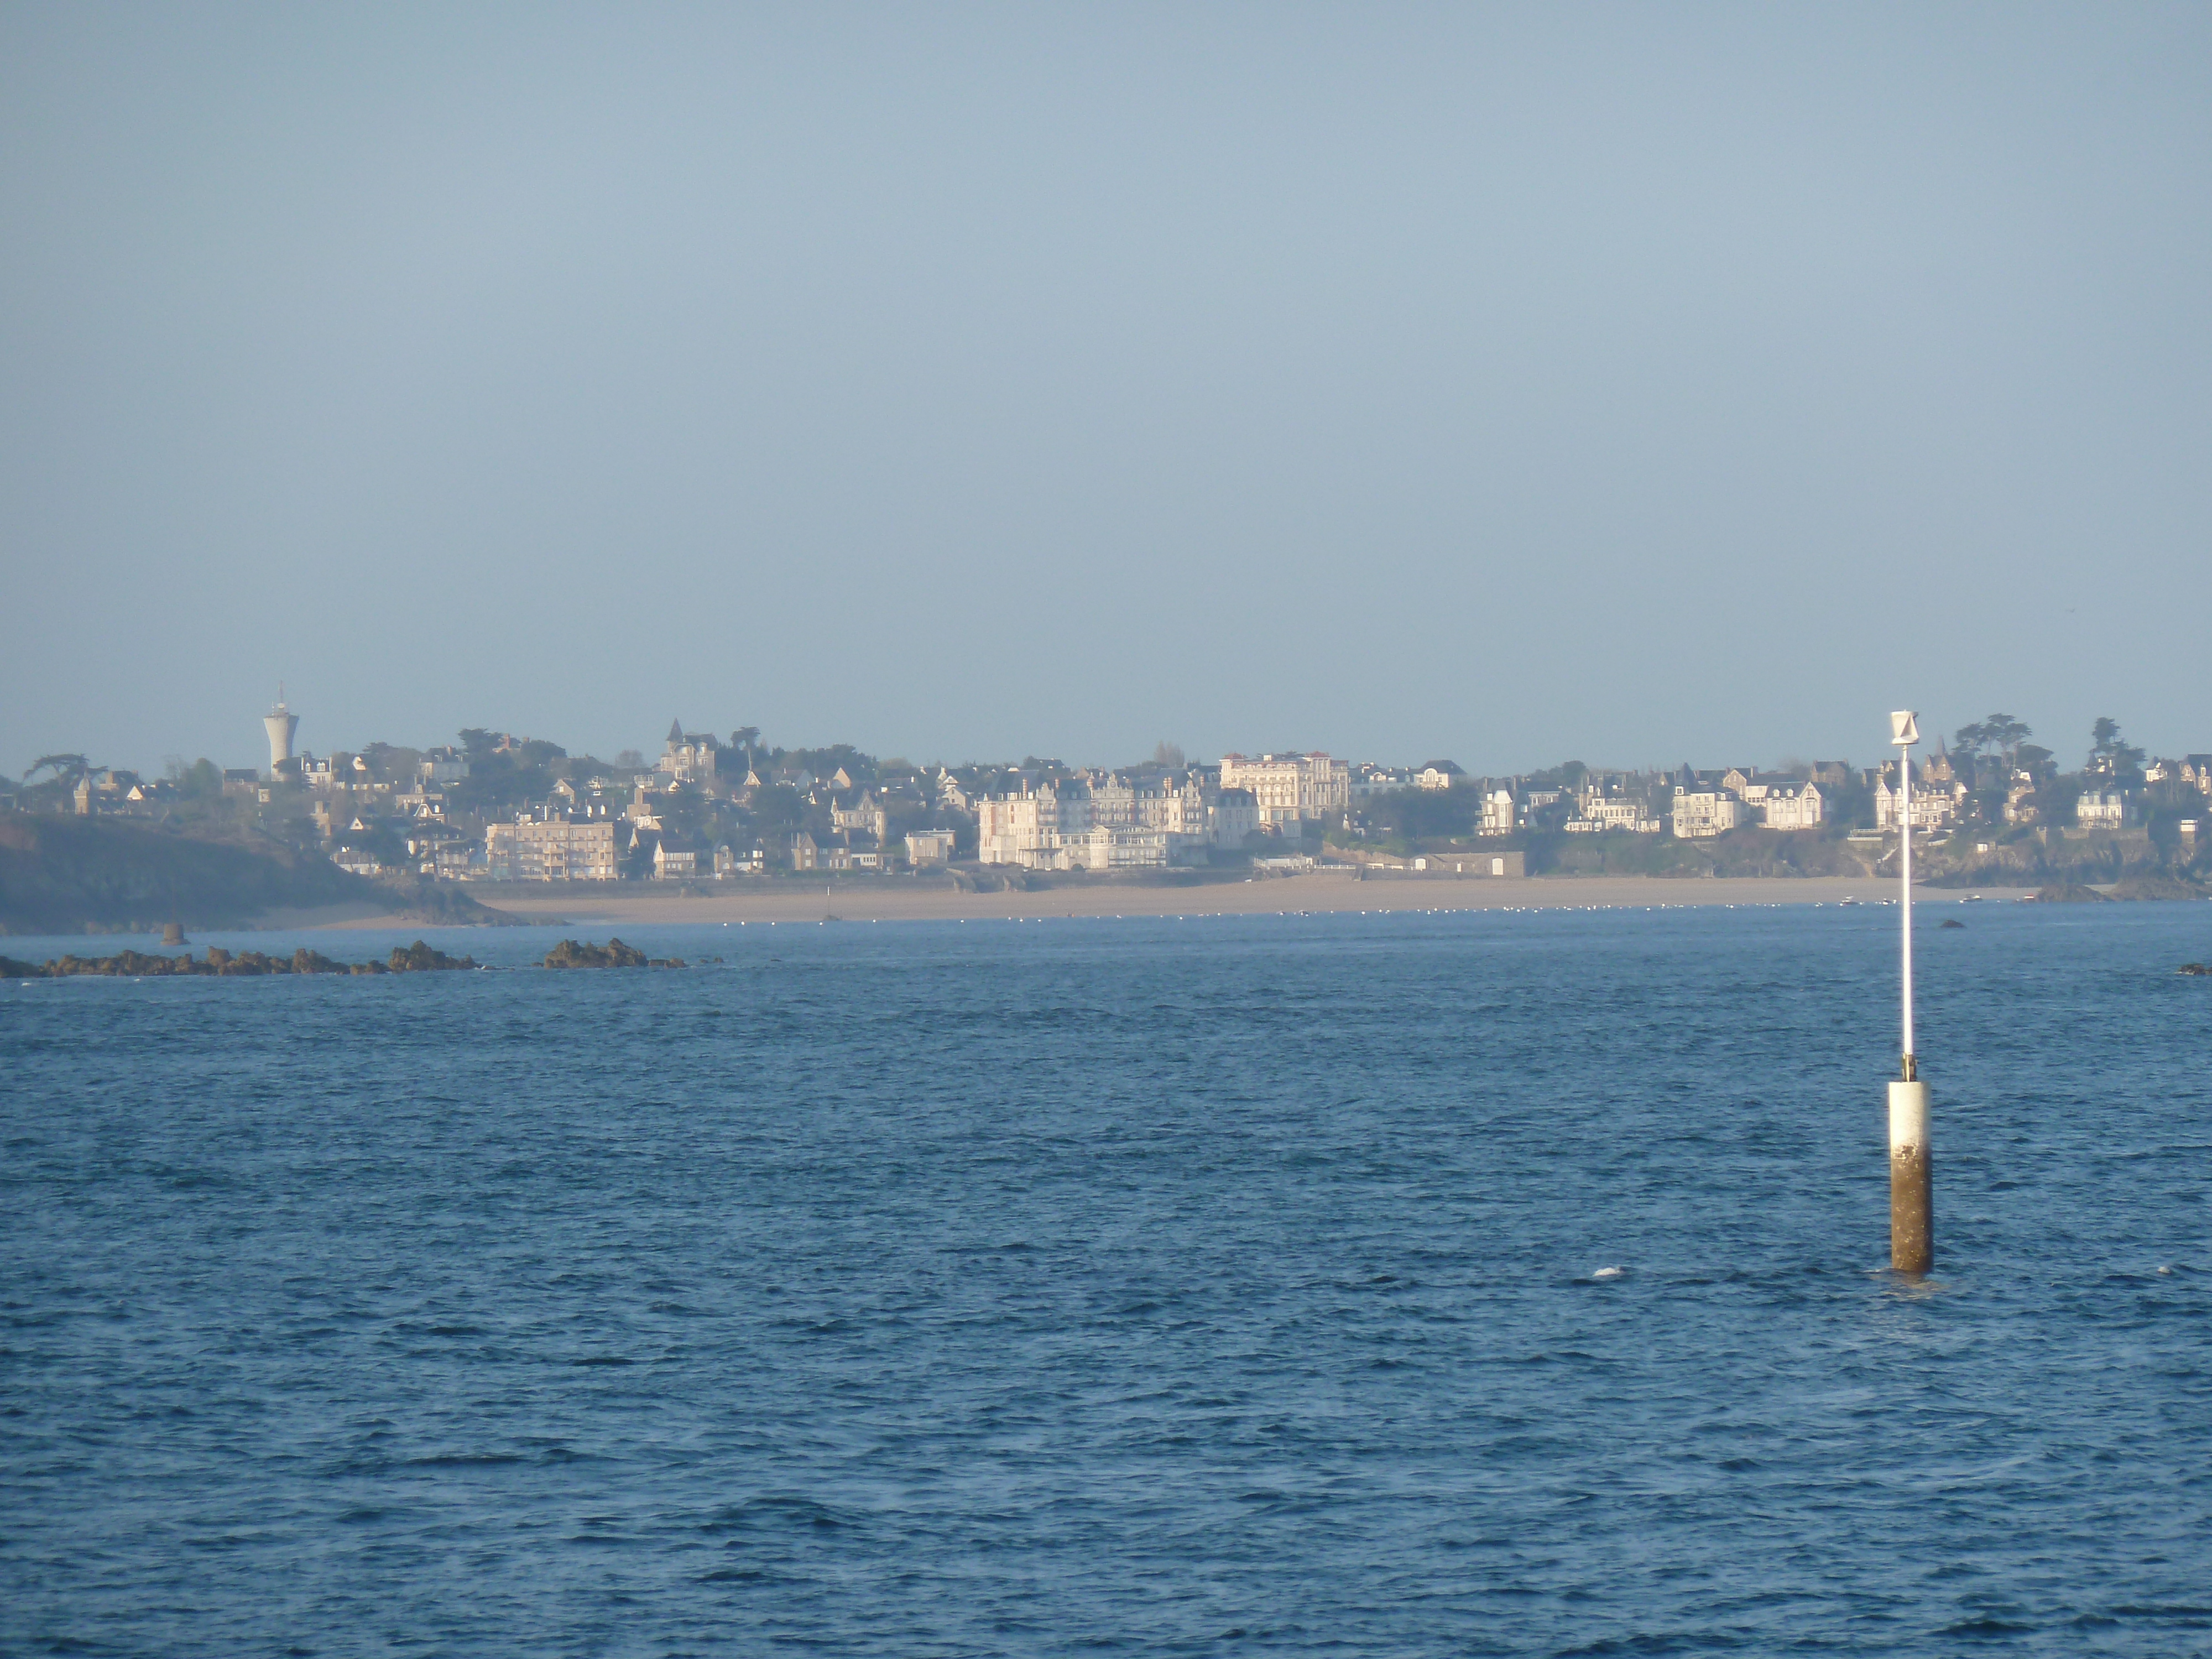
column 2197, row 968
column 421, row 959
column 569, row 953
column 244, row 964
column 2068, row 892
column 1953, row 921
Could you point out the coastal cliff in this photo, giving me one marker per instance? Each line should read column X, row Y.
column 69, row 875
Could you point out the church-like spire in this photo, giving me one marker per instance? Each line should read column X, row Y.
column 676, row 731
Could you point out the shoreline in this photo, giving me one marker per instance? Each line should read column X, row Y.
column 633, row 905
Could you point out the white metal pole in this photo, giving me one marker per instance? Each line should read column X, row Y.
column 1905, row 863
column 1911, row 1179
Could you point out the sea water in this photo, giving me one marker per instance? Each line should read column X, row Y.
column 1464, row 1284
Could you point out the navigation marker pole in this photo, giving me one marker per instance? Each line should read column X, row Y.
column 1912, row 1183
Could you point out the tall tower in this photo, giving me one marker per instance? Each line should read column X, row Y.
column 280, row 723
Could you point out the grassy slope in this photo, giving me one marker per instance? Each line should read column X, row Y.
column 62, row 874
column 1746, row 852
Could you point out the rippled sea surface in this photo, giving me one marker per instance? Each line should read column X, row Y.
column 1416, row 1284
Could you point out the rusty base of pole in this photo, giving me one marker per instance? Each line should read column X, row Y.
column 1911, row 1212
column 1912, row 1176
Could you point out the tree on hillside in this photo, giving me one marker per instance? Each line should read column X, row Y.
column 67, row 770
column 1999, row 734
column 2110, row 755
column 1567, row 774
column 1411, row 815
column 202, row 778
column 537, row 754
column 391, row 763
column 825, row 763
column 778, row 811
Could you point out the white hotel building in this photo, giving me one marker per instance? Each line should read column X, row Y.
column 1288, row 789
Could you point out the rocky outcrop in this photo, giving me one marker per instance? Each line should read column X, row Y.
column 2157, row 887
column 2068, row 892
column 571, row 953
column 426, row 902
column 415, row 958
column 421, row 959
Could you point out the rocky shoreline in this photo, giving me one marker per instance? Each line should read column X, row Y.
column 569, row 953
column 415, row 958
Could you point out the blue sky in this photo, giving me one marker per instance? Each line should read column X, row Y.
column 1632, row 383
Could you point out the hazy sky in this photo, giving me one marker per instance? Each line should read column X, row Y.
column 1633, row 383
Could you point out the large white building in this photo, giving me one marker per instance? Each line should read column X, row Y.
column 1934, row 804
column 1701, row 813
column 865, row 816
column 688, row 759
column 1288, row 789
column 2102, row 808
column 1033, row 828
column 558, row 851
column 1176, row 803
column 1791, row 805
column 1130, row 847
column 1116, row 827
column 1596, row 813
column 1232, row 818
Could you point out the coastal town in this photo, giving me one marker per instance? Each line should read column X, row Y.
column 1988, row 804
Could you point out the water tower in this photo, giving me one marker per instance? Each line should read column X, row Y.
column 282, row 723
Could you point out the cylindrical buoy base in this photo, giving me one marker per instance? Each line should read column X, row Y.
column 1911, row 1182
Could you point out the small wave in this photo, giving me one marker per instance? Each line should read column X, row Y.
column 461, row 1461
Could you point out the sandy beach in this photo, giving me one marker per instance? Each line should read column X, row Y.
column 637, row 904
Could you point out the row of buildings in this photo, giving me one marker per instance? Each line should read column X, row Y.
column 1686, row 803
column 1178, row 819
column 705, row 808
